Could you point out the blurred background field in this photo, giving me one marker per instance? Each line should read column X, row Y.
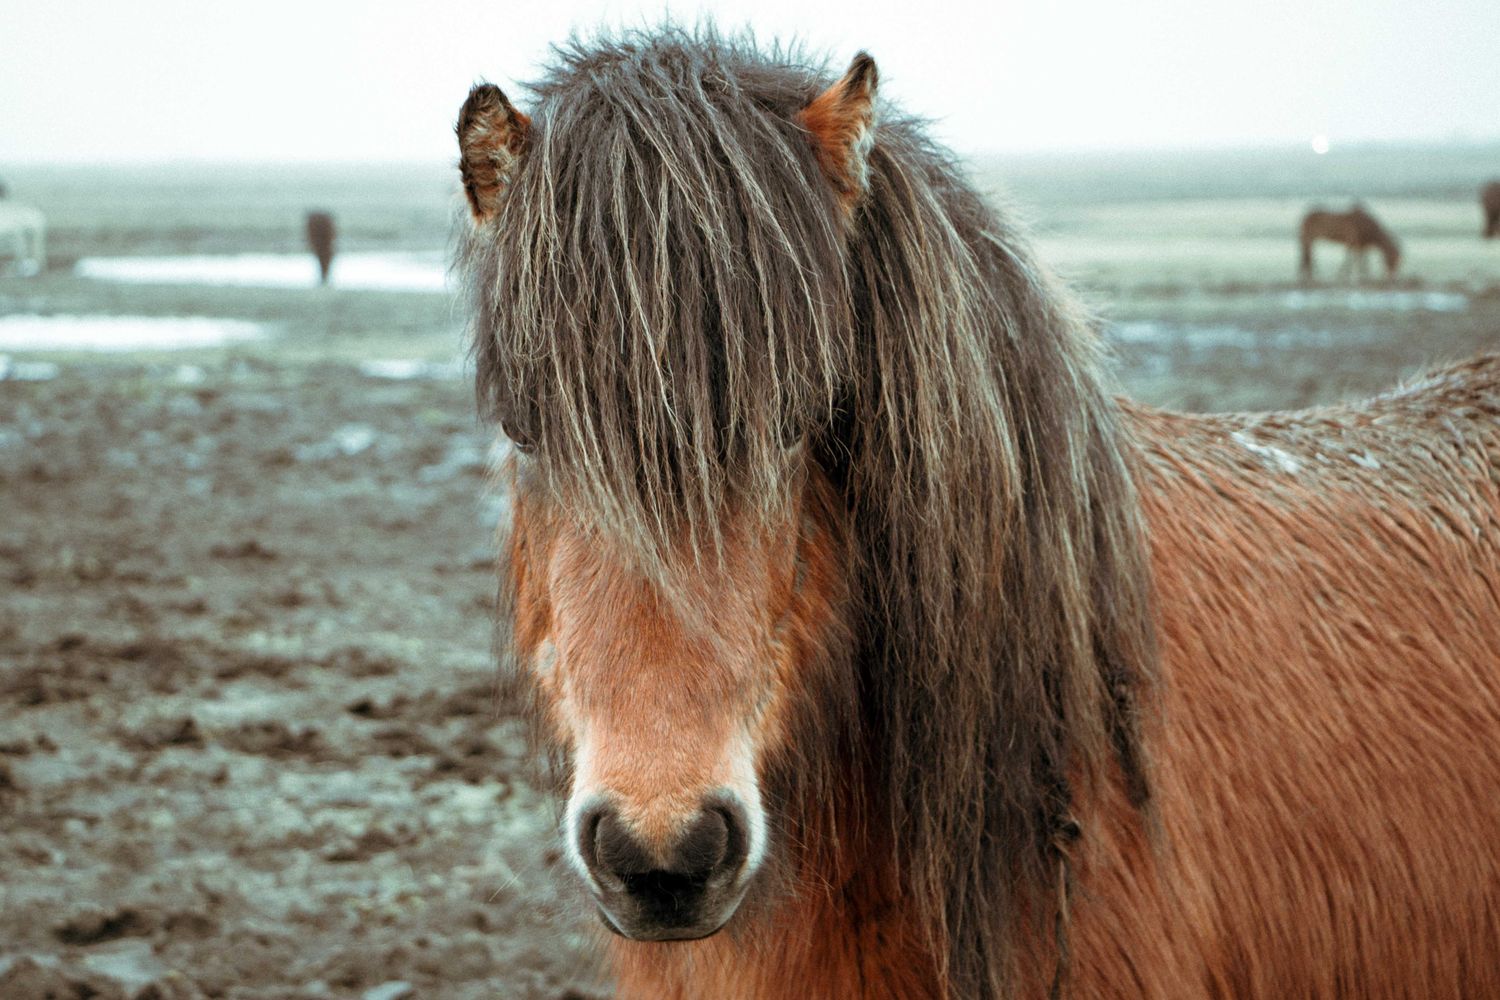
column 1199, row 247
column 248, row 740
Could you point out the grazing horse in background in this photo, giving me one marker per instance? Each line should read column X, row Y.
column 1489, row 201
column 23, row 239
column 1358, row 231
column 320, row 239
column 883, row 653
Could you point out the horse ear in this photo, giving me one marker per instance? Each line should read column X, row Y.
column 841, row 123
column 491, row 135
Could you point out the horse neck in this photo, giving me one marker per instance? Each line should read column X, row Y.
column 1382, row 241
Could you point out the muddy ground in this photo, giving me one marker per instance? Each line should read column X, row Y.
column 249, row 739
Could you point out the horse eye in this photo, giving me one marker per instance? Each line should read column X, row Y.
column 518, row 438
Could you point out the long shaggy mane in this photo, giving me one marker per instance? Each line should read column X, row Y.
column 672, row 298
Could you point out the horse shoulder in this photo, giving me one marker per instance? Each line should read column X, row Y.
column 1328, row 587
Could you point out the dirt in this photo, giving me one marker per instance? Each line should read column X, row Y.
column 249, row 740
column 250, row 744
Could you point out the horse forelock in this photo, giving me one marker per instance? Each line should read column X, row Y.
column 670, row 295
column 661, row 306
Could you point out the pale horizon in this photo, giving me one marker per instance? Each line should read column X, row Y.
column 165, row 81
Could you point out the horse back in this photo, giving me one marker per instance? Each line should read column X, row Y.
column 1328, row 591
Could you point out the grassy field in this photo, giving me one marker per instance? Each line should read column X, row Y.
column 248, row 746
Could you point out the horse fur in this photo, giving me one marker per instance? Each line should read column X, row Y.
column 676, row 314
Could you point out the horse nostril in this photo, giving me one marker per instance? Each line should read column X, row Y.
column 703, row 847
column 713, row 845
column 736, row 832
column 608, row 847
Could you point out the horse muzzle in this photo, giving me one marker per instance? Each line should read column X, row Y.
column 679, row 891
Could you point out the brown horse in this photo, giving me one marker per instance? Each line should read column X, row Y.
column 1489, row 201
column 320, row 240
column 883, row 653
column 1357, row 230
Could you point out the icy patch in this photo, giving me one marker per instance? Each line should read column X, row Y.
column 1198, row 337
column 347, row 441
column 132, row 964
column 1152, row 332
column 396, row 989
column 29, row 332
column 26, row 371
column 463, row 456
column 1369, row 300
column 405, row 369
column 1270, row 454
column 395, row 272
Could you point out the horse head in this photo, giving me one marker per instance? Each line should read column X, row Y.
column 825, row 563
column 669, row 649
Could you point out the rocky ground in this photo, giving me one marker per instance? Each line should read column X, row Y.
column 249, row 739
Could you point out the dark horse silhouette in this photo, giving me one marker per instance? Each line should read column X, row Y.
column 320, row 238
column 1357, row 230
column 1489, row 200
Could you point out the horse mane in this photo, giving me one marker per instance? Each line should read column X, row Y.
column 672, row 298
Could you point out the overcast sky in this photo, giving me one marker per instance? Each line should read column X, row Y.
column 86, row 80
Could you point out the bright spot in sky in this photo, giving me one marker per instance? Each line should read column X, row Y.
column 1320, row 144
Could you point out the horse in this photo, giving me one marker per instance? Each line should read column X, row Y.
column 23, row 237
column 320, row 239
column 1357, row 230
column 881, row 650
column 1489, row 202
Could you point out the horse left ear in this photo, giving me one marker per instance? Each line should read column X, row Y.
column 491, row 135
column 841, row 123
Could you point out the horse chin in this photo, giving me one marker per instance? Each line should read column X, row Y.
column 648, row 932
column 662, row 934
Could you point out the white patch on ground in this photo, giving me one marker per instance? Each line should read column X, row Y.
column 1199, row 337
column 392, row 272
column 29, row 332
column 348, row 440
column 405, row 369
column 189, row 375
column 463, row 456
column 130, row 963
column 1273, row 456
column 26, row 371
column 1373, row 300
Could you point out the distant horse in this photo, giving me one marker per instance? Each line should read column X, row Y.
column 320, row 240
column 23, row 239
column 1357, row 230
column 1489, row 200
column 884, row 654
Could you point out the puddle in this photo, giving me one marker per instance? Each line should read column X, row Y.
column 1365, row 300
column 405, row 369
column 396, row 272
column 1204, row 337
column 1152, row 332
column 121, row 333
column 26, row 371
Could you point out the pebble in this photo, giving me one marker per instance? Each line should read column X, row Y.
column 396, row 989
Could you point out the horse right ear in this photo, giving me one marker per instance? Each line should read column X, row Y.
column 491, row 135
column 841, row 124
